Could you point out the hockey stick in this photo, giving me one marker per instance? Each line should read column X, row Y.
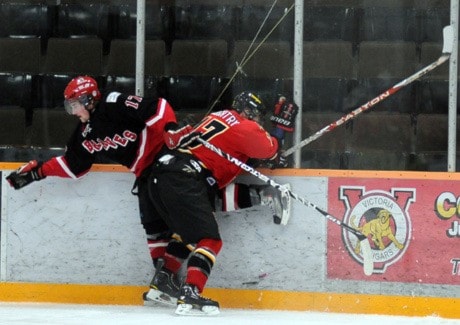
column 448, row 35
column 366, row 251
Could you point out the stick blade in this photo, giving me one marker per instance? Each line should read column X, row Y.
column 448, row 39
column 285, row 204
column 368, row 263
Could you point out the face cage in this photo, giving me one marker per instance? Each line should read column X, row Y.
column 71, row 106
column 255, row 114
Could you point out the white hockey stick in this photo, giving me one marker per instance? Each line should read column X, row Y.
column 448, row 40
column 366, row 250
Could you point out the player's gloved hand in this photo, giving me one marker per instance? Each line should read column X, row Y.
column 278, row 162
column 281, row 162
column 26, row 174
column 181, row 137
column 284, row 114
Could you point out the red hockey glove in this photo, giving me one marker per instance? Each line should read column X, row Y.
column 284, row 114
column 181, row 137
column 26, row 174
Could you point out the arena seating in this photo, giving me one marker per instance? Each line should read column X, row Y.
column 87, row 19
column 353, row 51
column 253, row 13
column 330, row 22
column 328, row 151
column 196, row 72
column 158, row 23
column 434, row 88
column 26, row 18
column 65, row 59
column 431, row 142
column 120, row 68
column 205, row 19
column 381, row 141
column 12, row 133
column 51, row 128
column 20, row 61
column 268, row 71
column 382, row 64
column 327, row 76
column 388, row 23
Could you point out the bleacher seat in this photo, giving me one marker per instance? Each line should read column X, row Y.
column 67, row 58
column 375, row 159
column 432, row 132
column 205, row 19
column 84, row 19
column 157, row 20
column 20, row 54
column 335, row 21
column 329, row 150
column 432, row 142
column 271, row 59
column 381, row 65
column 254, row 12
column 17, row 89
column 12, row 132
column 392, row 132
column 268, row 72
column 433, row 89
column 327, row 74
column 433, row 19
column 336, row 140
column 323, row 159
column 121, row 66
column 197, row 69
column 19, row 72
column 25, row 18
column 377, row 23
column 51, row 128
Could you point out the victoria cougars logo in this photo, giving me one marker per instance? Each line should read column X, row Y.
column 381, row 216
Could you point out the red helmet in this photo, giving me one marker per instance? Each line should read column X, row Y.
column 82, row 85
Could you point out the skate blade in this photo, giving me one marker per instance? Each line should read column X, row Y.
column 189, row 310
column 153, row 297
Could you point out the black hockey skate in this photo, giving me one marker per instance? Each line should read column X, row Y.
column 191, row 303
column 164, row 289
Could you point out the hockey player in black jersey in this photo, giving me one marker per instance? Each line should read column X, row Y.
column 126, row 129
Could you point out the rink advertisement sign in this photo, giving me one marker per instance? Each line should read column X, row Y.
column 413, row 227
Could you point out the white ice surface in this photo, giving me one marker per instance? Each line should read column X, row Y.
column 63, row 314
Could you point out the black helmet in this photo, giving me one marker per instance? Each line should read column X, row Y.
column 250, row 104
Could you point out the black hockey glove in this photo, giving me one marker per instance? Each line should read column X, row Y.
column 284, row 114
column 281, row 162
column 26, row 174
column 278, row 162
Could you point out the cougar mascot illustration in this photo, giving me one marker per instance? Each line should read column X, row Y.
column 377, row 228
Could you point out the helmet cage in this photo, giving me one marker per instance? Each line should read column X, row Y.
column 249, row 104
column 71, row 106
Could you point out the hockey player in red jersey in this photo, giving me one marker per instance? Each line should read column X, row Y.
column 238, row 195
column 126, row 129
column 184, row 183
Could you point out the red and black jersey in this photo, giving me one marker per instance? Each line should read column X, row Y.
column 239, row 137
column 126, row 129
